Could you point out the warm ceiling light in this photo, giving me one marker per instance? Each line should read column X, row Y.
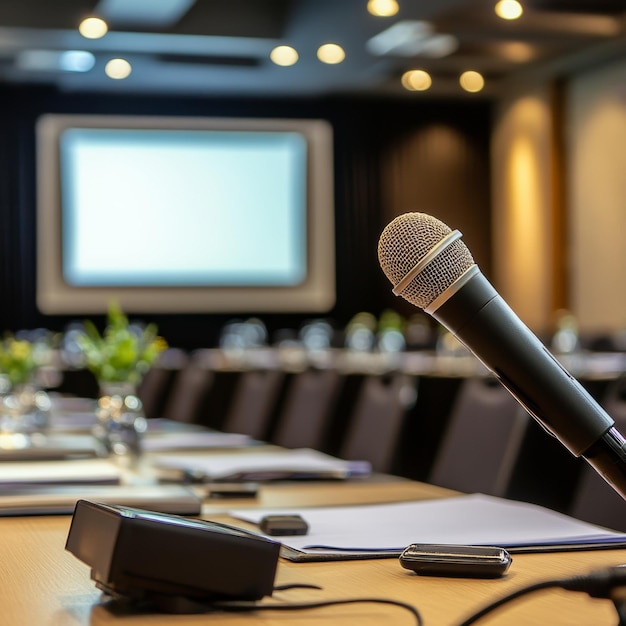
column 93, row 28
column 331, row 53
column 118, row 69
column 284, row 55
column 382, row 8
column 509, row 9
column 416, row 80
column 517, row 51
column 472, row 81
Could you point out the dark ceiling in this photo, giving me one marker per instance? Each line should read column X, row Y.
column 209, row 47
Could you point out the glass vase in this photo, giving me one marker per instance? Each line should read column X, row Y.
column 121, row 421
column 24, row 408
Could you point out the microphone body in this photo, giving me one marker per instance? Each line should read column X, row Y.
column 470, row 308
column 482, row 320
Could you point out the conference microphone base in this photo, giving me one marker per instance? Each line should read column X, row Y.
column 172, row 563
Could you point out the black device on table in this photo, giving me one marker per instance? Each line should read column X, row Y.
column 456, row 560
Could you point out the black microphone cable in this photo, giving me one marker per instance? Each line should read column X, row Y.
column 251, row 606
column 599, row 584
column 239, row 606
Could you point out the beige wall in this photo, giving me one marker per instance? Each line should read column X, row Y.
column 522, row 196
column 596, row 141
column 525, row 202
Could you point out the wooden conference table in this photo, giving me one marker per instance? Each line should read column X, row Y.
column 41, row 584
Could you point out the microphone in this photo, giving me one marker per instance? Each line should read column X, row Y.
column 429, row 265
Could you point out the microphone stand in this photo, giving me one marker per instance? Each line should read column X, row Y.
column 477, row 315
column 618, row 597
column 608, row 457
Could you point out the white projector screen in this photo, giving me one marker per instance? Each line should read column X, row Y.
column 184, row 214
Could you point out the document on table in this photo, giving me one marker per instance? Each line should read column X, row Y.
column 79, row 471
column 301, row 463
column 163, row 441
column 384, row 530
column 161, row 434
column 61, row 499
column 40, row 447
column 73, row 422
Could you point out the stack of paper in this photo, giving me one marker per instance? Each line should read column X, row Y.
column 160, row 441
column 40, row 447
column 374, row 531
column 302, row 463
column 61, row 499
column 161, row 434
column 53, row 487
column 16, row 474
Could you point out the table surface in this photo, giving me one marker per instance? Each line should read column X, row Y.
column 41, row 584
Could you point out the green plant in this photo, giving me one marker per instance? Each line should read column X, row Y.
column 17, row 360
column 123, row 352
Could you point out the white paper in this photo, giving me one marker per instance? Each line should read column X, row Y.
column 61, row 499
column 474, row 519
column 40, row 447
column 152, row 442
column 73, row 421
column 92, row 471
column 282, row 464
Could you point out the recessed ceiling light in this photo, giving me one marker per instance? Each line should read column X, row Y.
column 517, row 51
column 93, row 28
column 416, row 80
column 284, row 55
column 382, row 8
column 76, row 61
column 509, row 9
column 55, row 60
column 472, row 81
column 331, row 53
column 118, row 69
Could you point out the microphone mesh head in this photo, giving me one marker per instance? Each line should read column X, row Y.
column 405, row 242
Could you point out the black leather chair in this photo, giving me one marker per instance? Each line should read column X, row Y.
column 377, row 418
column 307, row 408
column 595, row 501
column 155, row 387
column 253, row 402
column 482, row 440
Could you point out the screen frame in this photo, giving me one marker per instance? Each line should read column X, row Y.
column 316, row 294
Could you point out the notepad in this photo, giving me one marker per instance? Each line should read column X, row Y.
column 74, row 422
column 163, row 441
column 301, row 463
column 384, row 530
column 48, row 447
column 61, row 499
column 14, row 474
column 161, row 434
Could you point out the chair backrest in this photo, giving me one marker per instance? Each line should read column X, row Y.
column 482, row 439
column 155, row 387
column 189, row 388
column 307, row 408
column 377, row 418
column 595, row 501
column 252, row 406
